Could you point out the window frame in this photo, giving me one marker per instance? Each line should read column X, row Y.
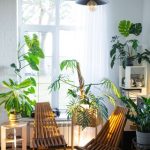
column 54, row 30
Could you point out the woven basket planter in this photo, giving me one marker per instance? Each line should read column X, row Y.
column 95, row 120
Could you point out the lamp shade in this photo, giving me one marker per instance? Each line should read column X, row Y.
column 98, row 2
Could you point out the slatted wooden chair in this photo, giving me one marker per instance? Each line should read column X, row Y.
column 110, row 135
column 46, row 132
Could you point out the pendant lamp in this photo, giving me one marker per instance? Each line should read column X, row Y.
column 97, row 2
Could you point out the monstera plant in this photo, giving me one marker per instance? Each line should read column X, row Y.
column 17, row 99
column 84, row 106
column 125, row 47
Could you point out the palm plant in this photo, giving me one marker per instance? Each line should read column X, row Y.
column 125, row 48
column 17, row 99
column 83, row 105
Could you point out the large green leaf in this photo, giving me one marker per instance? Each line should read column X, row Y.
column 124, row 27
column 136, row 29
column 135, row 43
column 31, row 62
column 7, row 85
column 24, row 84
column 68, row 64
column 113, row 61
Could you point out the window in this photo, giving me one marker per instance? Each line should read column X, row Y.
column 54, row 22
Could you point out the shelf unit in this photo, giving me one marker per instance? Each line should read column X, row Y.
column 133, row 80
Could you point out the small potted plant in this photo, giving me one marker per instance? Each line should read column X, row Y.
column 140, row 116
column 84, row 107
column 17, row 100
column 125, row 47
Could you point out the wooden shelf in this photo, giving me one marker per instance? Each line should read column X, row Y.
column 12, row 140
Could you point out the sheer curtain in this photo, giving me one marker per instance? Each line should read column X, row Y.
column 92, row 42
column 92, row 53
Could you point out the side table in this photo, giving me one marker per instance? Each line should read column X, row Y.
column 14, row 126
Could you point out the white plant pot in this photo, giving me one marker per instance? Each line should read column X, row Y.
column 143, row 139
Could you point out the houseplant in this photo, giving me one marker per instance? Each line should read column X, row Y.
column 84, row 106
column 139, row 115
column 17, row 99
column 125, row 47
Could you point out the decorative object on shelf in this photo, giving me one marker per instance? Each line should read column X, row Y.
column 125, row 47
column 17, row 99
column 84, row 106
column 132, row 78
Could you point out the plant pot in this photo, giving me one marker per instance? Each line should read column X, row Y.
column 129, row 61
column 94, row 118
column 14, row 117
column 143, row 139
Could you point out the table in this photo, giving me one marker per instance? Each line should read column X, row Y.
column 14, row 127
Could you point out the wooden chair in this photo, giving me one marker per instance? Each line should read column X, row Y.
column 46, row 132
column 110, row 135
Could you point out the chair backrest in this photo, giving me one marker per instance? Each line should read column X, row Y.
column 112, row 130
column 45, row 125
column 110, row 135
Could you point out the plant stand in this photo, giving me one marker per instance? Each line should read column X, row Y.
column 73, row 123
column 4, row 140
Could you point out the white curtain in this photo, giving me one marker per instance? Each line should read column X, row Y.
column 93, row 52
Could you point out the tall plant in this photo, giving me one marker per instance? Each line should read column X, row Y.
column 81, row 95
column 17, row 99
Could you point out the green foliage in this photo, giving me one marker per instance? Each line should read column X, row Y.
column 126, row 28
column 80, row 95
column 140, row 115
column 126, row 49
column 31, row 57
column 18, row 98
column 84, row 116
column 68, row 64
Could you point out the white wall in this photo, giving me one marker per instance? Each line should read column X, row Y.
column 8, row 42
column 8, row 36
column 120, row 10
column 146, row 33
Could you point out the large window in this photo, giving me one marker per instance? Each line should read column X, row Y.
column 54, row 22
